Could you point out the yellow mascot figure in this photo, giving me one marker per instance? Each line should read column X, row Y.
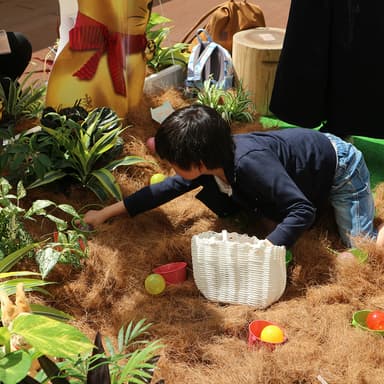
column 103, row 63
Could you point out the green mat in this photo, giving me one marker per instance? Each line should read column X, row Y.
column 373, row 149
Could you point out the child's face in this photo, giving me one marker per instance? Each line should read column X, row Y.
column 190, row 174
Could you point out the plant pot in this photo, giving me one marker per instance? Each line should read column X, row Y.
column 170, row 77
column 79, row 225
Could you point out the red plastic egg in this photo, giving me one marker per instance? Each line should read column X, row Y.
column 375, row 320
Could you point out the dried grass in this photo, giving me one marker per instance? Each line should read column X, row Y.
column 207, row 342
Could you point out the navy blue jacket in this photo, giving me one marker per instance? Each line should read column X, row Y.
column 284, row 175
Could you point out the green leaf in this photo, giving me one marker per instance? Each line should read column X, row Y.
column 6, row 275
column 126, row 161
column 68, row 209
column 49, row 177
column 51, row 337
column 53, row 313
column 14, row 367
column 9, row 286
column 137, row 362
column 103, row 179
column 5, row 336
column 20, row 191
column 8, row 262
column 47, row 258
column 38, row 207
column 60, row 223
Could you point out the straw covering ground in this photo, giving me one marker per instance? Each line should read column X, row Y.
column 206, row 342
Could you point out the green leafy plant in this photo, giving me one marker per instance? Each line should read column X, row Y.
column 132, row 361
column 41, row 336
column 68, row 247
column 23, row 101
column 9, row 281
column 25, row 337
column 28, row 156
column 233, row 105
column 81, row 149
column 164, row 57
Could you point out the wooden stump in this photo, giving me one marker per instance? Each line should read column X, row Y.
column 255, row 55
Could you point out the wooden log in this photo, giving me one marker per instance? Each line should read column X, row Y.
column 255, row 55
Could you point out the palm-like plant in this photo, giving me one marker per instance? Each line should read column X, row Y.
column 82, row 148
column 133, row 361
column 233, row 105
column 24, row 101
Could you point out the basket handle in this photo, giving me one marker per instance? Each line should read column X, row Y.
column 224, row 233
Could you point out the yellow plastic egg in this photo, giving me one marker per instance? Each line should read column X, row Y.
column 157, row 178
column 154, row 284
column 272, row 334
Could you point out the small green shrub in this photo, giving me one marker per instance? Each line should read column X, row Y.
column 22, row 102
column 70, row 245
column 84, row 151
column 233, row 105
column 164, row 57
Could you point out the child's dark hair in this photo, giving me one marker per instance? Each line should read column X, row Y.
column 193, row 134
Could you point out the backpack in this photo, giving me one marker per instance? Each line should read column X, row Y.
column 225, row 20
column 209, row 61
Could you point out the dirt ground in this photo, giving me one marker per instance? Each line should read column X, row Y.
column 206, row 342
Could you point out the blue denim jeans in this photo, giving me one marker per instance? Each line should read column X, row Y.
column 350, row 194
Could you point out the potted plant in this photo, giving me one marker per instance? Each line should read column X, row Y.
column 85, row 151
column 21, row 106
column 167, row 66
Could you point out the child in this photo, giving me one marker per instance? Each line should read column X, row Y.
column 286, row 175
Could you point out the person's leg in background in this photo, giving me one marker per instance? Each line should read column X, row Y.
column 13, row 64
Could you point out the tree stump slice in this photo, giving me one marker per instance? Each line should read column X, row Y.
column 255, row 56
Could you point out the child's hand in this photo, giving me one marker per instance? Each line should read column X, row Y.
column 94, row 218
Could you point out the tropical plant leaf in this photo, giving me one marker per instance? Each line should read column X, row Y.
column 14, row 366
column 136, row 368
column 47, row 258
column 48, row 178
column 103, row 180
column 9, row 286
column 38, row 207
column 6, row 275
column 68, row 209
column 9, row 261
column 53, row 313
column 5, row 336
column 126, row 161
column 51, row 337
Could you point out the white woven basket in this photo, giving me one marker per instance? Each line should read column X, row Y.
column 238, row 269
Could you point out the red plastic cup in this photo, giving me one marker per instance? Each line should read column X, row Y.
column 173, row 273
column 255, row 328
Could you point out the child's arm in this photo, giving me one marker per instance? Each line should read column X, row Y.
column 96, row 218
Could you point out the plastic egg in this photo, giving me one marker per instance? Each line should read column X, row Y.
column 154, row 284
